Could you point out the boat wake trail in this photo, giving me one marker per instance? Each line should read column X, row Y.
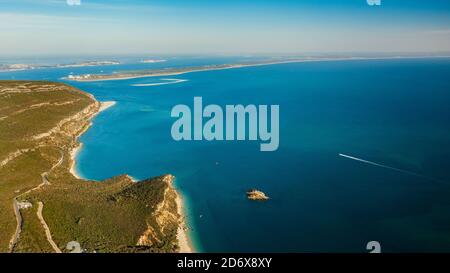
column 167, row 81
column 391, row 168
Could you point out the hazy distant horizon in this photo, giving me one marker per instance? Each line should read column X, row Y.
column 244, row 55
column 52, row 27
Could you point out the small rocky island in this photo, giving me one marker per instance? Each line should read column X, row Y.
column 256, row 195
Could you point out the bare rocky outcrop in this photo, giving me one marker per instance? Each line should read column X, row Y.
column 61, row 127
column 166, row 217
column 13, row 156
column 257, row 195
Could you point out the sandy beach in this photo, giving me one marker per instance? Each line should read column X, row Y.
column 105, row 105
column 73, row 155
column 182, row 234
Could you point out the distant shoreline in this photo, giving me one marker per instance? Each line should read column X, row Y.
column 25, row 67
column 180, row 71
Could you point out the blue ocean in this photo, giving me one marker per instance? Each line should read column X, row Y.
column 394, row 113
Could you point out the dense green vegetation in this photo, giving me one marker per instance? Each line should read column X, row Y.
column 39, row 123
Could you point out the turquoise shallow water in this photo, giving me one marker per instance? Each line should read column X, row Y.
column 392, row 112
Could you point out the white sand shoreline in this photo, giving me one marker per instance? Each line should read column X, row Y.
column 105, row 105
column 73, row 155
column 184, row 241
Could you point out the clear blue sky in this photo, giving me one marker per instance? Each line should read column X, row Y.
column 227, row 26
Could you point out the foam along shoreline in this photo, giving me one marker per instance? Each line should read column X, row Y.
column 174, row 72
column 168, row 81
column 184, row 241
column 74, row 152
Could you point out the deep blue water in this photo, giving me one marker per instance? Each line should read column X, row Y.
column 392, row 112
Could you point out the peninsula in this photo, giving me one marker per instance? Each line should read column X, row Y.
column 124, row 75
column 168, row 71
column 45, row 208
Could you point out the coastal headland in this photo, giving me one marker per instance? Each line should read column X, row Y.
column 44, row 207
